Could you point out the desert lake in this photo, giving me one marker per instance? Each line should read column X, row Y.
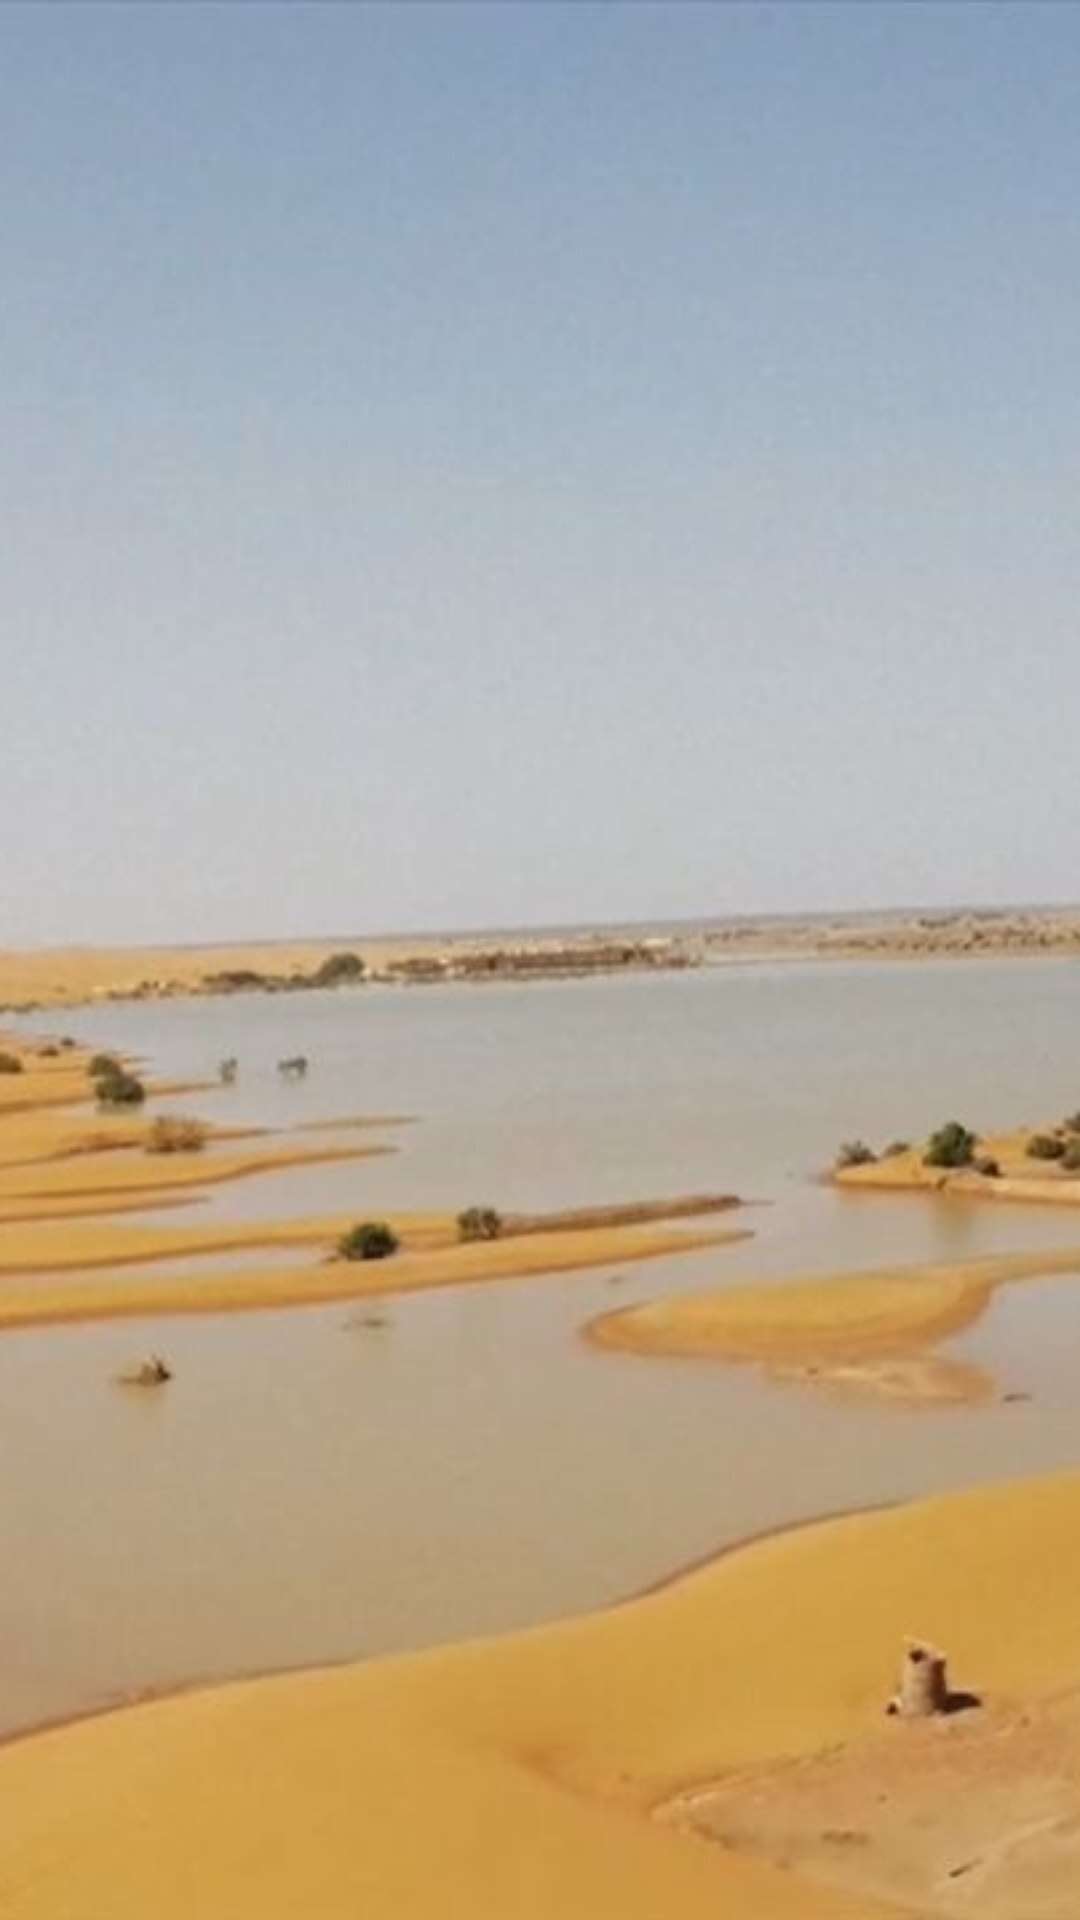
column 325, row 1483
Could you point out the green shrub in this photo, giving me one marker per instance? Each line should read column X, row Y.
column 951, row 1146
column 119, row 1089
column 988, row 1166
column 1045, row 1146
column 855, row 1153
column 176, row 1133
column 338, row 970
column 479, row 1223
column 10, row 1063
column 895, row 1148
column 371, row 1240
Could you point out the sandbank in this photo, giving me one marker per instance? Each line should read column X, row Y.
column 552, row 1772
column 1021, row 1178
column 95, row 1174
column 841, row 1330
column 33, row 1301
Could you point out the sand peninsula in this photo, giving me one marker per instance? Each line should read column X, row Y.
column 62, row 1259
column 77, row 976
column 687, row 1754
column 866, row 1334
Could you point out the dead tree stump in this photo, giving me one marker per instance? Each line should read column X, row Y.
column 924, row 1687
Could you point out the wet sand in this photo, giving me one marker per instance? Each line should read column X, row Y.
column 557, row 1771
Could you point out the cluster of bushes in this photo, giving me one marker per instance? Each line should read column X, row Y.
column 479, row 1223
column 954, row 1146
column 1063, row 1145
column 113, row 1084
column 10, row 1063
column 371, row 1240
column 856, row 1153
column 1045, row 1146
column 176, row 1133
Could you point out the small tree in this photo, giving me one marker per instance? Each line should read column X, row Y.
column 479, row 1223
column 102, row 1063
column 1045, row 1146
column 951, row 1146
column 1070, row 1159
column 338, row 970
column 371, row 1240
column 10, row 1063
column 895, row 1148
column 855, row 1153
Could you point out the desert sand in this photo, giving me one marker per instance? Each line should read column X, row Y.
column 570, row 1771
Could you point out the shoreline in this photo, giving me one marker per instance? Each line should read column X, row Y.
column 43, row 980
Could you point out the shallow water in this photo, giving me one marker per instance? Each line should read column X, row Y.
column 310, row 1487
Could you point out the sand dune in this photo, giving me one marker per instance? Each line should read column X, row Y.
column 546, row 1773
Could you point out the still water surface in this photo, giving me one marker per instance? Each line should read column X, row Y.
column 312, row 1488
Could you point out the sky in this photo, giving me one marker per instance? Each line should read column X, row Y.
column 526, row 463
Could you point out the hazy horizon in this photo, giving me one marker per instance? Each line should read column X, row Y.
column 642, row 924
column 500, row 466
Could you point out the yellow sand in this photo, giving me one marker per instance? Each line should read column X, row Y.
column 69, row 976
column 33, row 1301
column 836, row 1329
column 150, row 1174
column 77, row 1246
column 516, row 1778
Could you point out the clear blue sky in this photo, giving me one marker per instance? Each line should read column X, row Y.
column 535, row 462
